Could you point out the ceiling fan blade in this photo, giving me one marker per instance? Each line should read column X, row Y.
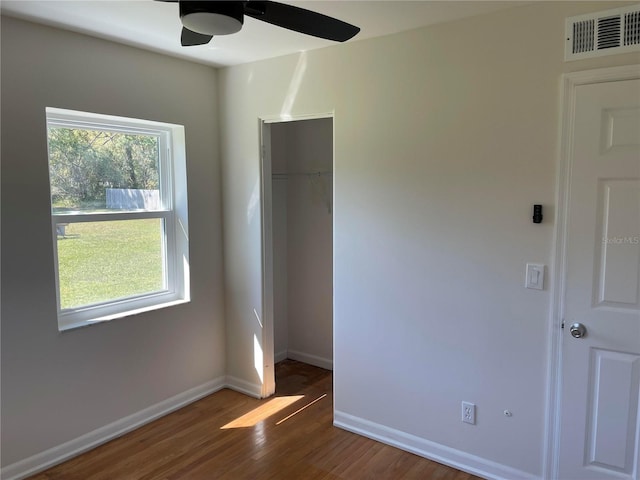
column 189, row 38
column 301, row 20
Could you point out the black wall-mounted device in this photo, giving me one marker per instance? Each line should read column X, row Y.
column 537, row 214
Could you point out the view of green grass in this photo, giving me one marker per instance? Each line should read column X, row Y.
column 100, row 261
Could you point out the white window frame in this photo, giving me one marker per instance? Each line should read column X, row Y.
column 173, row 212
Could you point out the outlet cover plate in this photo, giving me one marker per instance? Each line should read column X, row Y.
column 469, row 413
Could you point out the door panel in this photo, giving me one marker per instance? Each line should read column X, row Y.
column 613, row 410
column 601, row 370
column 617, row 279
column 621, row 126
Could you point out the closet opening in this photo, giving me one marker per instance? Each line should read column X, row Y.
column 297, row 170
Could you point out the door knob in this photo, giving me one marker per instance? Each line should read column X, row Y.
column 578, row 330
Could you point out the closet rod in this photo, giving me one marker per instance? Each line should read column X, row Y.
column 306, row 174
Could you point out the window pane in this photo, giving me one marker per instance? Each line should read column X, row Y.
column 97, row 171
column 102, row 261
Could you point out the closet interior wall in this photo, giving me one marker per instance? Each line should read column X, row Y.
column 302, row 196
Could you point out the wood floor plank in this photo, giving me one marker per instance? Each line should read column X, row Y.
column 229, row 436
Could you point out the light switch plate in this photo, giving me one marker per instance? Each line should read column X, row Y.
column 535, row 276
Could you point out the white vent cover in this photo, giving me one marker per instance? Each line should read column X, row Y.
column 603, row 33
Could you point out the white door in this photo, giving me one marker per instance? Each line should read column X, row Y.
column 601, row 370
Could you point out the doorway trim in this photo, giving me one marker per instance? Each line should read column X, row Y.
column 266, row 207
column 569, row 83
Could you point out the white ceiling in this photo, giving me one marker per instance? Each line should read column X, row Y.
column 155, row 25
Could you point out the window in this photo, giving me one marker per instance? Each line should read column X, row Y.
column 119, row 215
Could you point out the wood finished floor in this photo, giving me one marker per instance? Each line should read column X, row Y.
column 229, row 436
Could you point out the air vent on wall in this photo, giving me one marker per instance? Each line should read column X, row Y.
column 603, row 33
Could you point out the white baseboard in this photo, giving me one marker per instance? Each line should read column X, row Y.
column 58, row 454
column 242, row 386
column 280, row 356
column 325, row 363
column 431, row 450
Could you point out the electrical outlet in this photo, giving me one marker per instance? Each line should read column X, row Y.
column 469, row 413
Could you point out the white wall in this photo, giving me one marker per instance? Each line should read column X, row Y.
column 444, row 139
column 59, row 386
column 303, row 240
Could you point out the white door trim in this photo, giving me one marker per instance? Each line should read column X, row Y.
column 266, row 206
column 554, row 372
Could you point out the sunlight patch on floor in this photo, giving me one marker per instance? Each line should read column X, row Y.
column 301, row 409
column 264, row 411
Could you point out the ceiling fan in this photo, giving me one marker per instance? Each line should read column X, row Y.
column 203, row 19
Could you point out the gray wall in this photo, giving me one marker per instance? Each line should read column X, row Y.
column 58, row 386
column 445, row 137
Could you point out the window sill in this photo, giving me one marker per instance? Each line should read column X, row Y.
column 106, row 318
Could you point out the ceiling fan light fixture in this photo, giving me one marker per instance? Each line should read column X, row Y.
column 212, row 18
column 211, row 23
